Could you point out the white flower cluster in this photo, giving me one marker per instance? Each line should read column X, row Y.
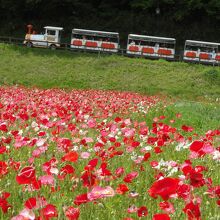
column 169, row 167
column 216, row 155
column 183, row 145
column 142, row 108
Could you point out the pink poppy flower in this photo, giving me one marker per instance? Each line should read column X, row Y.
column 91, row 123
column 47, row 180
column 119, row 171
column 85, row 155
column 25, row 214
column 99, row 192
column 132, row 209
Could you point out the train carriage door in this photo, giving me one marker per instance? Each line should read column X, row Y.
column 191, row 51
column 133, row 45
column 110, row 43
column 165, row 47
column 77, row 39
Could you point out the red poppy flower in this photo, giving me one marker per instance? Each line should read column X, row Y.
column 144, row 130
column 164, row 188
column 122, row 189
column 3, row 127
column 4, row 203
column 142, row 211
column 71, row 156
column 193, row 211
column 130, row 177
column 80, row 199
column 161, row 217
column 92, row 164
column 184, row 191
column 3, row 149
column 135, row 144
column 196, row 179
column 157, row 150
column 3, row 168
column 88, row 179
column 187, row 128
column 167, row 207
column 117, row 119
column 67, row 169
column 31, row 203
column 14, row 165
column 147, row 156
column 49, row 212
column 26, row 175
column 154, row 163
column 72, row 213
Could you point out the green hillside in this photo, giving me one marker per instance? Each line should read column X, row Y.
column 64, row 69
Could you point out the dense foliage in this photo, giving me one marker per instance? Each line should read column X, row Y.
column 173, row 17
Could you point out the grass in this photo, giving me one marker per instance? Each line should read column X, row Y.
column 46, row 69
column 201, row 116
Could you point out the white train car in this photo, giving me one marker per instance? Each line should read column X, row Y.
column 150, row 46
column 95, row 40
column 202, row 52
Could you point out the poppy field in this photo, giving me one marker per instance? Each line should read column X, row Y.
column 90, row 154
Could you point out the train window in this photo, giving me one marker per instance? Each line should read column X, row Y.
column 193, row 48
column 51, row 32
column 170, row 45
column 153, row 44
column 134, row 42
column 77, row 36
column 113, row 39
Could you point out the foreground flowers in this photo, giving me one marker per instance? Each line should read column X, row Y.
column 91, row 154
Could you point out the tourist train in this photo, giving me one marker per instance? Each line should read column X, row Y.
column 137, row 45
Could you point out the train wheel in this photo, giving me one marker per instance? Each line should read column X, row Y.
column 53, row 47
column 29, row 44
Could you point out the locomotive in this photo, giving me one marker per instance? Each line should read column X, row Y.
column 137, row 45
